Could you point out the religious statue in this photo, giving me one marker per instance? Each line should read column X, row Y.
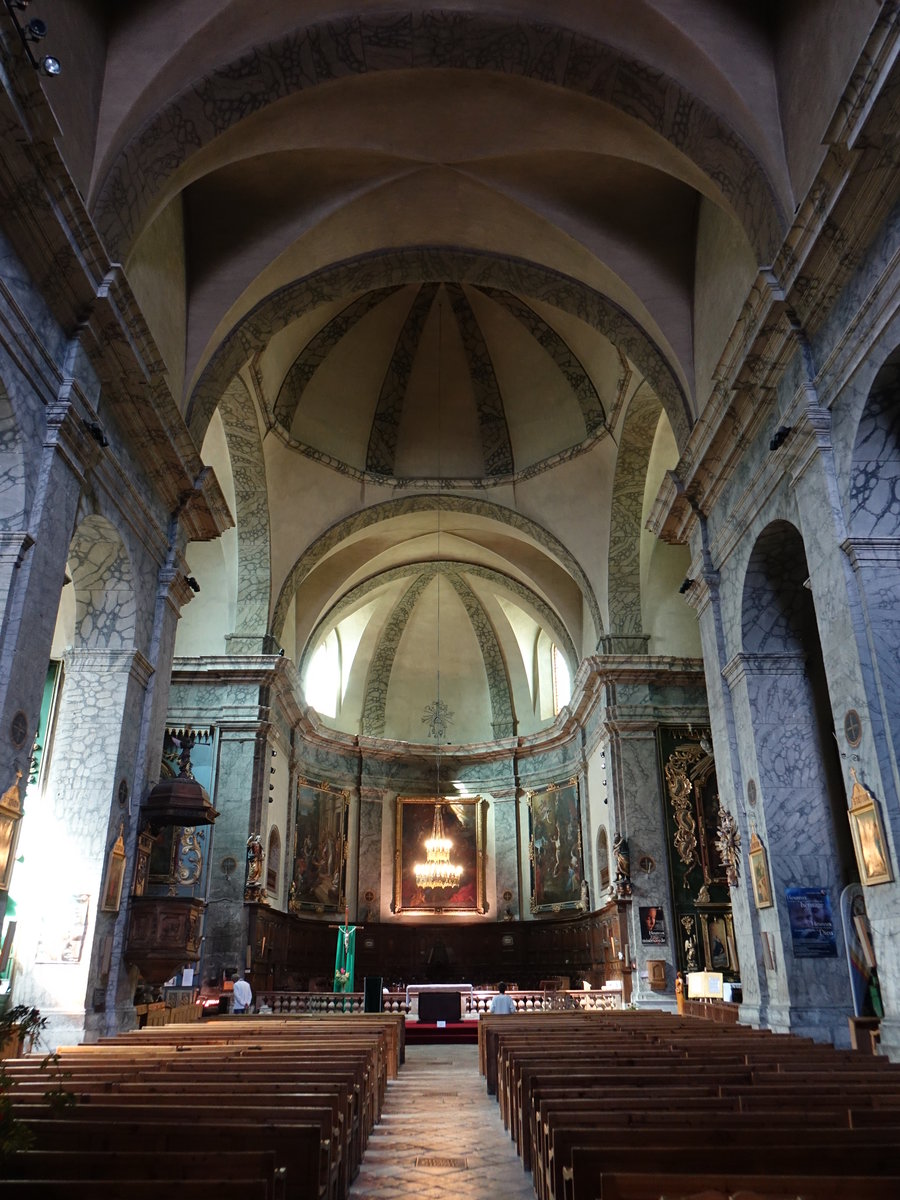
column 255, row 855
column 728, row 843
column 623, row 867
column 690, row 943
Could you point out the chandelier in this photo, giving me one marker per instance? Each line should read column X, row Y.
column 438, row 872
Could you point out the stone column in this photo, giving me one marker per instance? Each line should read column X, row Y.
column 67, row 839
column 225, row 925
column 875, row 563
column 32, row 571
column 635, row 784
column 808, row 996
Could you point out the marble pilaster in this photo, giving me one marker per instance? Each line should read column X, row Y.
column 61, row 956
column 793, row 818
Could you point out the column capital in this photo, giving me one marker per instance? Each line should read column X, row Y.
column 742, row 665
column 872, row 551
column 14, row 545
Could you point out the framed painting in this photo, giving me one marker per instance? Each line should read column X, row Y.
column 457, row 821
column 115, row 873
column 719, row 950
column 868, row 836
column 554, row 848
column 759, row 874
column 319, row 878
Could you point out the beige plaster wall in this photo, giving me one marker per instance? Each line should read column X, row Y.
column 725, row 271
column 157, row 276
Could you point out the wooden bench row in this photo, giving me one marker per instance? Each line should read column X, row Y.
column 276, row 1109
column 643, row 1105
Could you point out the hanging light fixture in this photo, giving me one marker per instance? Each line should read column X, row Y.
column 438, row 872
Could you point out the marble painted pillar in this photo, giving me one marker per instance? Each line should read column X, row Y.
column 374, row 899
column 225, row 923
column 70, row 829
column 792, row 816
column 32, row 571
column 636, row 787
column 875, row 563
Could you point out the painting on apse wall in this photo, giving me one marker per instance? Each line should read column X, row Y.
column 557, row 865
column 319, row 878
column 439, row 854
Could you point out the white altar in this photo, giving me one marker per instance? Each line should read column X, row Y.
column 416, row 989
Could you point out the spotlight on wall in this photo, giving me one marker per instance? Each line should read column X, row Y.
column 688, row 583
column 274, row 753
column 192, row 583
column 95, row 429
column 34, row 31
column 780, row 436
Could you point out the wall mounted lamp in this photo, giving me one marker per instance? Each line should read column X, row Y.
column 34, row 31
column 192, row 583
column 688, row 583
column 780, row 436
column 95, row 429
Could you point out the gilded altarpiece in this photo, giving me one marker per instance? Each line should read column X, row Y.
column 700, row 860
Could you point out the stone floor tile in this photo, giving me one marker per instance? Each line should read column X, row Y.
column 439, row 1109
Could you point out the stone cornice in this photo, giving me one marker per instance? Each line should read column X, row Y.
column 594, row 685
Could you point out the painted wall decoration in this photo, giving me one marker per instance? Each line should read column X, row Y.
column 464, row 825
column 62, row 931
column 557, row 865
column 320, row 849
column 812, row 925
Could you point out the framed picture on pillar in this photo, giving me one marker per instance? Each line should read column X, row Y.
column 439, row 854
column 759, row 874
column 872, row 856
column 554, row 848
column 319, row 879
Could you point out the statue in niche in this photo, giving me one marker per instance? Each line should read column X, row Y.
column 255, row 855
column 623, row 867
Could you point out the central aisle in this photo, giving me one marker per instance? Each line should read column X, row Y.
column 440, row 1135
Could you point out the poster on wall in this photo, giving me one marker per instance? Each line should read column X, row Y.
column 554, row 847
column 653, row 925
column 461, row 823
column 320, row 847
column 63, row 927
column 812, row 925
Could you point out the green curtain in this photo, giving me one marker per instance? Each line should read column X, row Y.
column 343, row 959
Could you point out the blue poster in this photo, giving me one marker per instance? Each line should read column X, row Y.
column 812, row 926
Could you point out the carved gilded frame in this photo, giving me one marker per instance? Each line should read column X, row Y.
column 464, row 821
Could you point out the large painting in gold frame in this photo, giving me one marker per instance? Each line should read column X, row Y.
column 557, row 864
column 464, row 824
column 319, row 878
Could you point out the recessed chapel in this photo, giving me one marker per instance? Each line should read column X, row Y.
column 473, row 424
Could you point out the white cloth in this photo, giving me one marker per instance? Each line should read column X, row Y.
column 243, row 995
column 503, row 1004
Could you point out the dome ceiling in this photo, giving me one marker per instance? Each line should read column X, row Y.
column 443, row 380
column 411, row 264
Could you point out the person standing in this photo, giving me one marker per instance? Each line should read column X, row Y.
column 243, row 995
column 501, row 1003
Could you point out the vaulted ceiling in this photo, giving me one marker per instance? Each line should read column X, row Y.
column 442, row 292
